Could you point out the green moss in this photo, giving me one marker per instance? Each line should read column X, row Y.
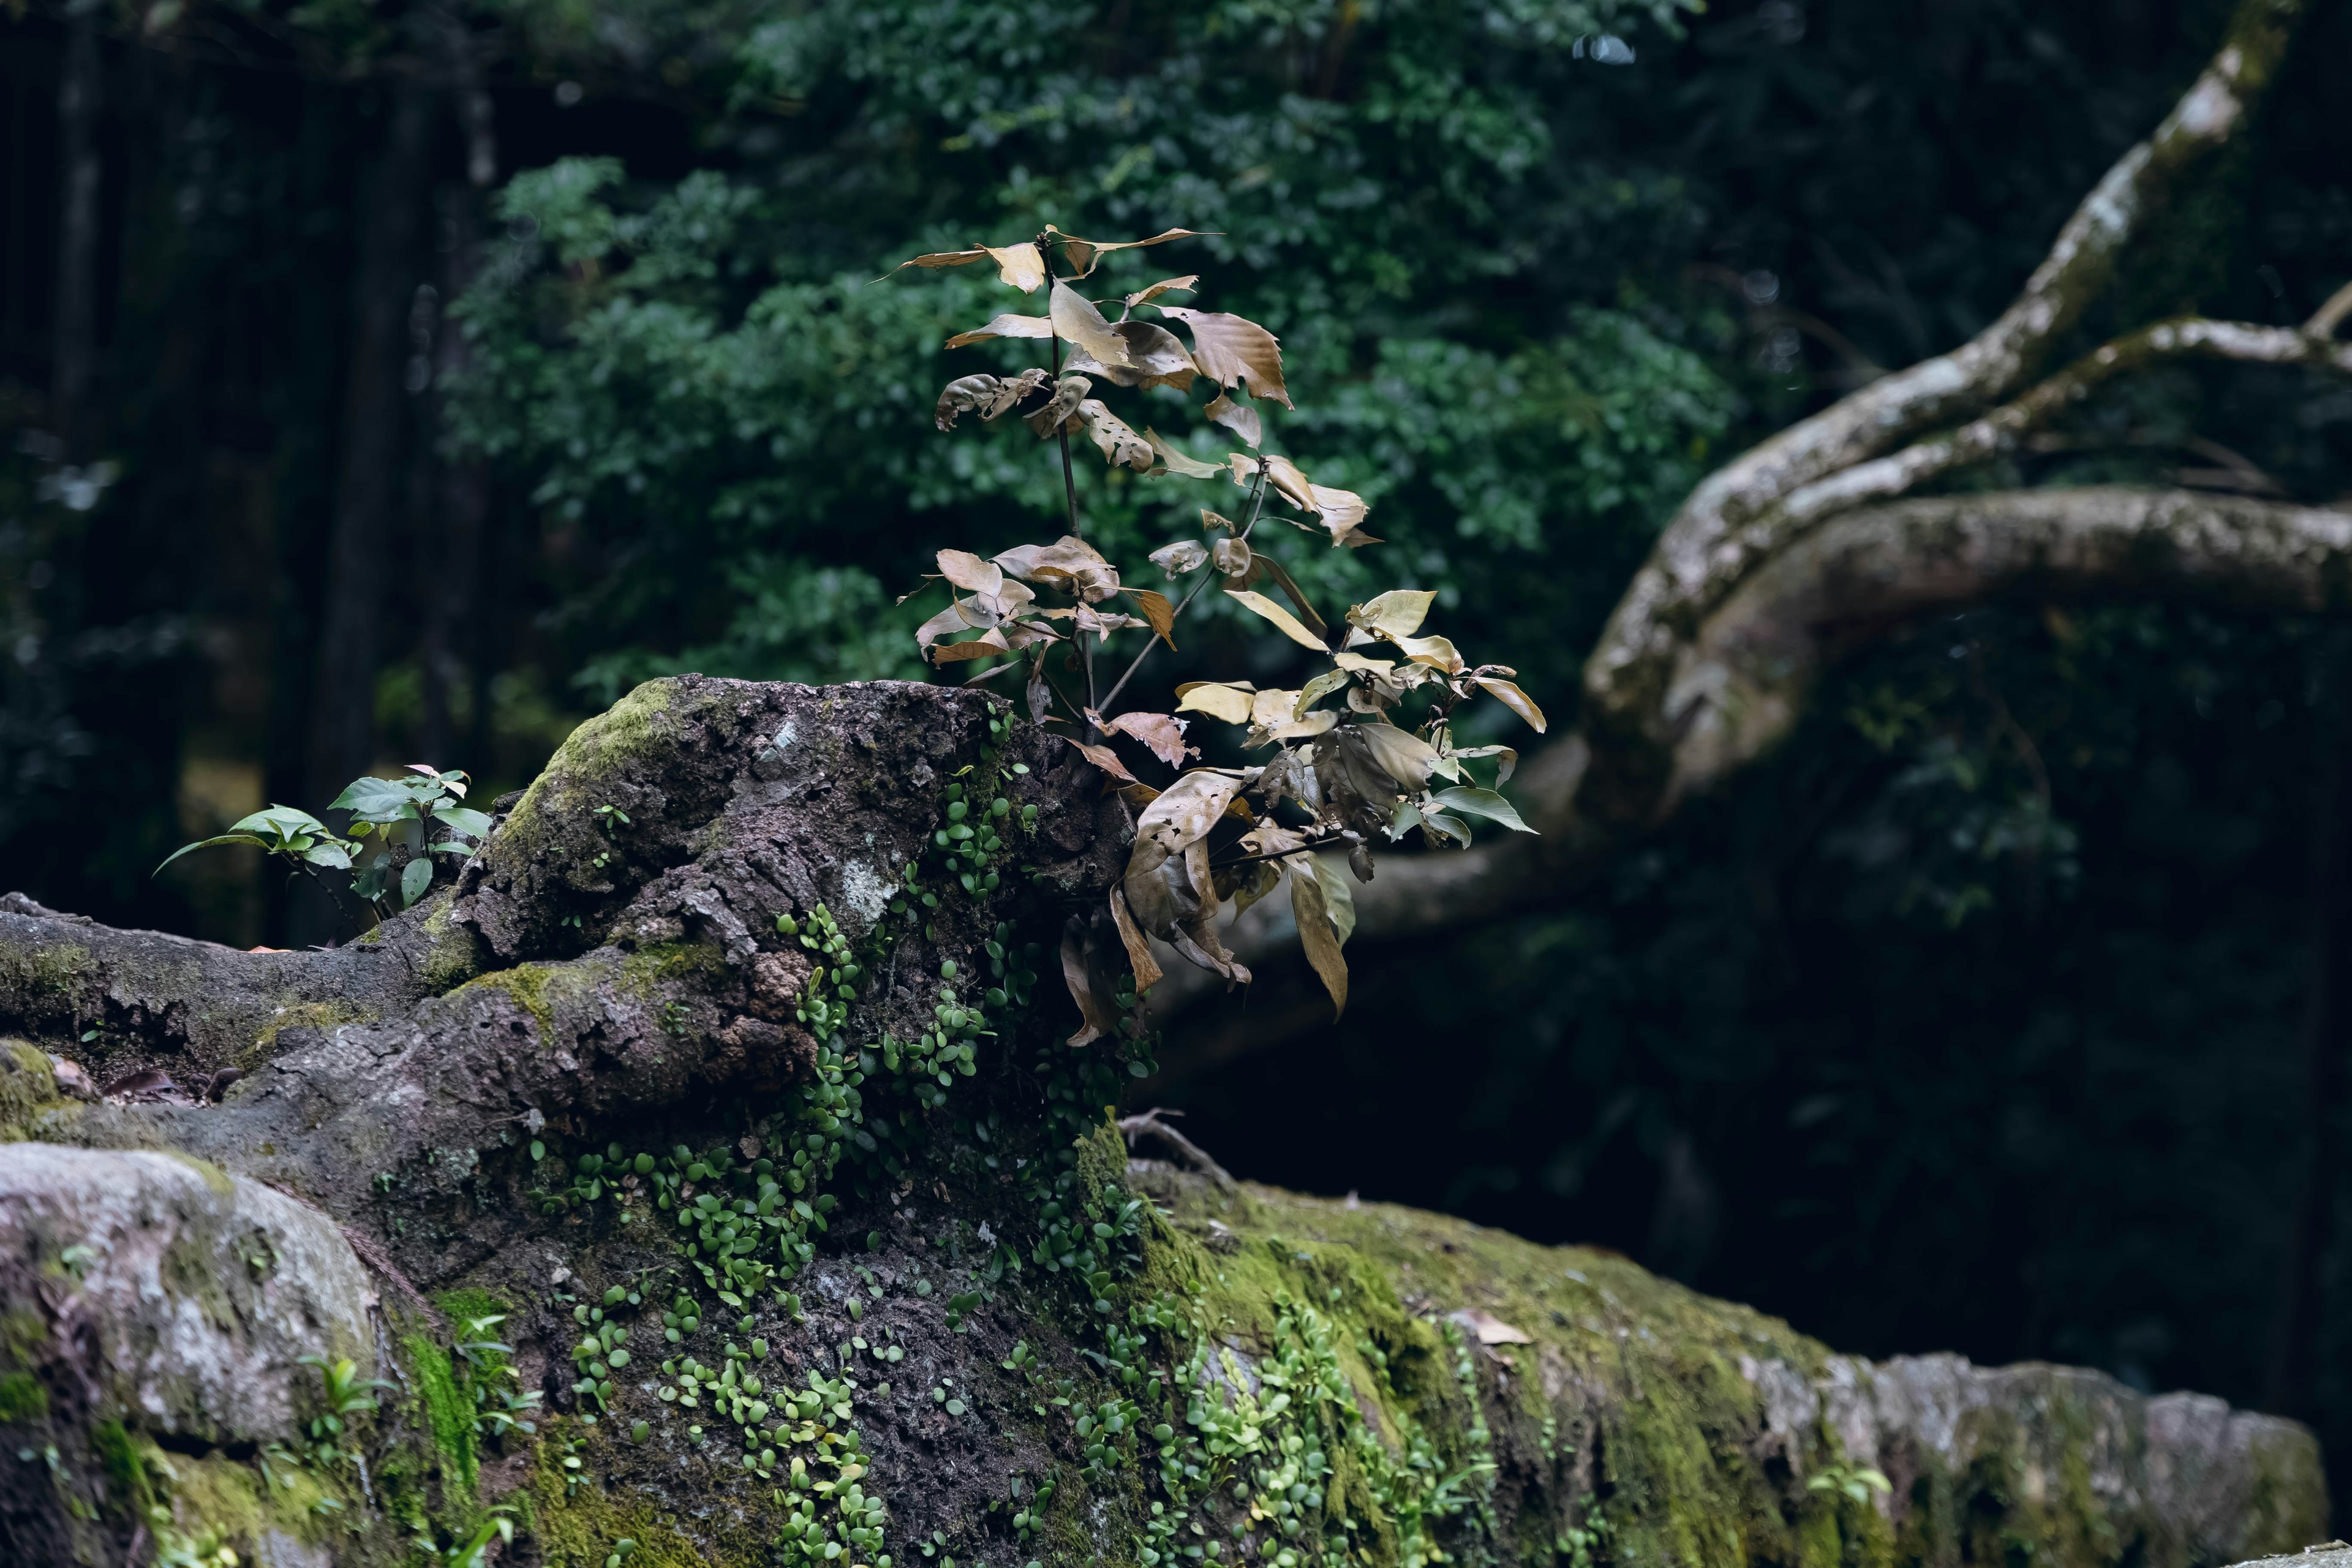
column 453, row 952
column 32, row 971
column 28, row 1088
column 214, row 1176
column 578, row 1525
column 301, row 1015
column 529, row 985
column 448, row 1416
column 22, row 1398
column 582, row 766
column 232, row 1501
column 671, row 962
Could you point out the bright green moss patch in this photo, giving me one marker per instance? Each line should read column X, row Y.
column 301, row 1016
column 448, row 1415
column 670, row 963
column 22, row 1398
column 28, row 1088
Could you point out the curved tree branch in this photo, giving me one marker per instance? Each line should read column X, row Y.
column 1742, row 678
column 1710, row 546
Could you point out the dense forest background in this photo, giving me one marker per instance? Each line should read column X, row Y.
column 387, row 383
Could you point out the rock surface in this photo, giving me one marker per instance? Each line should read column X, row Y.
column 731, row 1194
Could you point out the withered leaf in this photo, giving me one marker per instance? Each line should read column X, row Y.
column 971, row 574
column 1184, row 556
column 1283, row 621
column 1068, row 392
column 1512, row 698
column 1139, row 951
column 1489, row 1330
column 986, row 644
column 1508, row 764
column 1233, row 557
column 1010, row 325
column 1316, row 689
column 1094, row 1012
column 1317, row 933
column 1020, row 265
column 1404, row 756
column 1238, row 417
column 1436, row 652
column 1084, row 253
column 939, row 259
column 1069, row 564
column 1182, row 816
column 1106, row 759
column 1115, row 439
column 1037, row 694
column 1075, row 320
column 1158, row 613
column 1396, row 613
column 1155, row 357
column 1230, row 350
column 1145, row 296
column 1179, row 461
column 1163, row 733
column 1229, row 701
column 984, row 394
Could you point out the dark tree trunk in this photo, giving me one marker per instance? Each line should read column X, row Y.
column 81, row 177
column 366, row 543
column 2293, row 1385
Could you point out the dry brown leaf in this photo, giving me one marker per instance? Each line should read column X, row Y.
column 971, row 574
column 1012, row 324
column 1184, row 556
column 1161, row 732
column 1395, row 613
column 1512, row 698
column 1404, row 757
column 1230, row 350
column 1020, row 265
column 1182, row 816
column 1068, row 392
column 1283, row 621
column 1106, row 759
column 1069, row 564
column 1316, row 931
column 1341, row 512
column 986, row 646
column 1316, row 689
column 1436, row 652
column 1238, row 417
column 1155, row 357
column 1139, row 951
column 1178, row 461
column 1145, row 296
column 939, row 259
column 1115, row 439
column 1489, row 1330
column 1158, row 613
column 1083, row 254
column 986, row 396
column 1097, row 1018
column 1076, row 321
column 1232, row 556
column 1229, row 701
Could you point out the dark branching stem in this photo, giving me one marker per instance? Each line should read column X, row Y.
column 1257, row 500
column 1069, row 475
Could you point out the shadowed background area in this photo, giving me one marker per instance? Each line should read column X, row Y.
column 395, row 383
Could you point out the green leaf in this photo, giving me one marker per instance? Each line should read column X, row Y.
column 414, row 878
column 281, row 825
column 208, row 842
column 331, row 852
column 372, row 799
column 464, row 819
column 1483, row 803
column 1338, row 898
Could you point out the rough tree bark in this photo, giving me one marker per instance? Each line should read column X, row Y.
column 1804, row 548
column 586, row 1087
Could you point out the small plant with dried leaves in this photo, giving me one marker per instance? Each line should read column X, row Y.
column 1364, row 750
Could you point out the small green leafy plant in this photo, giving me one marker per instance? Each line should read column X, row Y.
column 410, row 820
column 1380, row 761
column 1853, row 1483
column 344, row 1393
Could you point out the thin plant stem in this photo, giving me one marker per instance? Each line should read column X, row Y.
column 1069, row 476
column 1257, row 500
